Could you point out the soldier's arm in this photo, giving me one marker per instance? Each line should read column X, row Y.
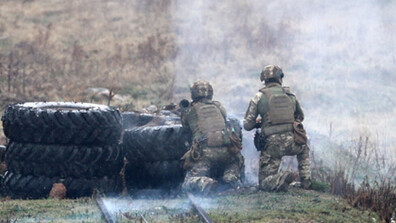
column 298, row 114
column 249, row 122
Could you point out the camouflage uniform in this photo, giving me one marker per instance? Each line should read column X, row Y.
column 209, row 158
column 278, row 137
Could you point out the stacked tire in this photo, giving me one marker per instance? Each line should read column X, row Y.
column 154, row 154
column 76, row 144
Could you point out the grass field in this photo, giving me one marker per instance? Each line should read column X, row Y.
column 294, row 206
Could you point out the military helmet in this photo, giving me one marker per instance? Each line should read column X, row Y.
column 271, row 72
column 201, row 89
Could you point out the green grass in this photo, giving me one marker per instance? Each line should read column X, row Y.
column 49, row 210
column 294, row 206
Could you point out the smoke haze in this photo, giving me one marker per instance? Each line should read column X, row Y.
column 339, row 57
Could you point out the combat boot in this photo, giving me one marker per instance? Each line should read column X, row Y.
column 283, row 181
column 209, row 187
column 279, row 182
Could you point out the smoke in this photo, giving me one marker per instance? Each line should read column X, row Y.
column 159, row 209
column 116, row 206
column 337, row 56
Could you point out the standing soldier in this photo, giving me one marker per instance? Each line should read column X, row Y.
column 281, row 134
column 215, row 150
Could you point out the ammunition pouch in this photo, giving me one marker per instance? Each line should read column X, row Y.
column 300, row 135
column 236, row 142
column 215, row 138
column 187, row 160
column 259, row 140
column 219, row 138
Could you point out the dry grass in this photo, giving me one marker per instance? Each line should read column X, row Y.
column 360, row 176
column 58, row 50
column 55, row 50
column 379, row 196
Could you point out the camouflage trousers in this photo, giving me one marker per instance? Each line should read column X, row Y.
column 277, row 146
column 217, row 163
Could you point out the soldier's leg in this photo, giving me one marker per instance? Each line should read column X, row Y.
column 232, row 172
column 270, row 160
column 268, row 165
column 268, row 168
column 197, row 179
column 304, row 167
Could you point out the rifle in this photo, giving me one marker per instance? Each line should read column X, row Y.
column 259, row 141
column 184, row 104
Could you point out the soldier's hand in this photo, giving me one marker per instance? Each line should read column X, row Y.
column 258, row 123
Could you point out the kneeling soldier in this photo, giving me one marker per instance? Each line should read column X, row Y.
column 282, row 133
column 215, row 150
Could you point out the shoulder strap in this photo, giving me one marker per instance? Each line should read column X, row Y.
column 218, row 105
column 267, row 93
column 288, row 91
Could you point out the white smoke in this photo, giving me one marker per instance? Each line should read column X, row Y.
column 338, row 56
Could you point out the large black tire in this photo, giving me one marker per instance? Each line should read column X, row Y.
column 132, row 119
column 63, row 161
column 159, row 143
column 21, row 186
column 62, row 123
column 158, row 175
column 166, row 174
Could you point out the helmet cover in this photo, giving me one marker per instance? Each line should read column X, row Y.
column 271, row 72
column 201, row 89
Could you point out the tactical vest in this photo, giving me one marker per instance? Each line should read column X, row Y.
column 210, row 123
column 277, row 109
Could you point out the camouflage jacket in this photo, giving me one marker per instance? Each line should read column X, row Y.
column 259, row 106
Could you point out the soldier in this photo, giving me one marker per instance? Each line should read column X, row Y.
column 281, row 134
column 215, row 150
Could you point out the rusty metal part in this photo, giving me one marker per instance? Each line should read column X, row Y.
column 205, row 218
column 102, row 208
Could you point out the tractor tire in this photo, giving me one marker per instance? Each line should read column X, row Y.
column 28, row 186
column 62, row 123
column 155, row 175
column 165, row 174
column 159, row 143
column 63, row 161
column 136, row 176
